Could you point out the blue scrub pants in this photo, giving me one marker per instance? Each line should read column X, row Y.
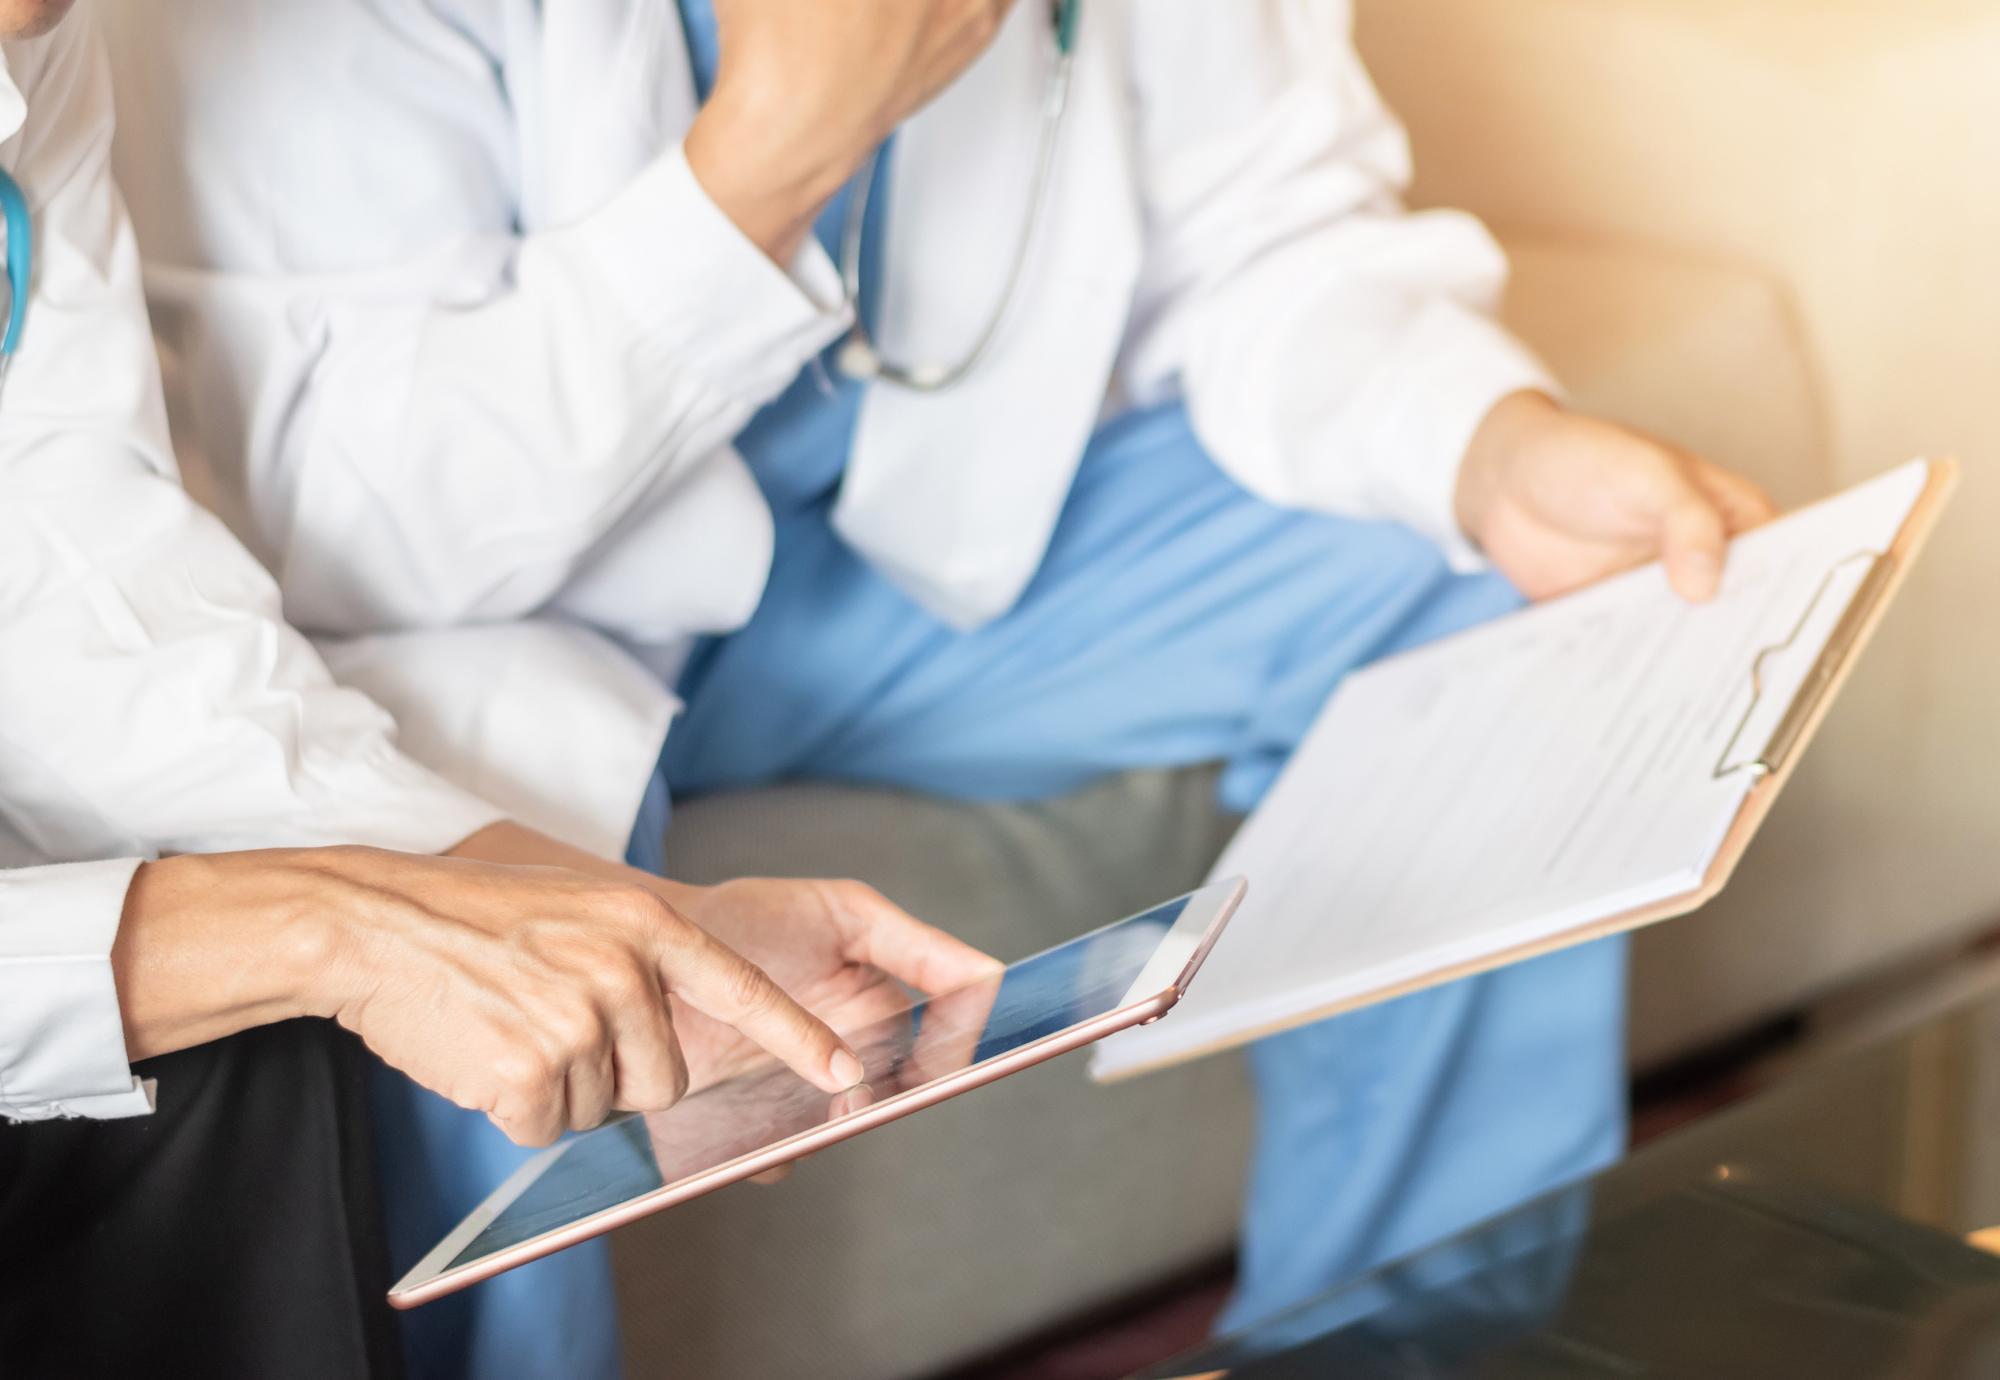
column 1175, row 620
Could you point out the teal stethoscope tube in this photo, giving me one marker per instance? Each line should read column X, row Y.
column 1065, row 21
column 20, row 262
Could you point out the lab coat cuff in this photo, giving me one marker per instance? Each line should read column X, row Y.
column 1462, row 365
column 703, row 295
column 388, row 800
column 137, row 1099
column 549, row 721
column 62, row 1037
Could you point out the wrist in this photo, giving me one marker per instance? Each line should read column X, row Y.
column 684, row 897
column 211, row 945
column 771, row 184
column 1495, row 450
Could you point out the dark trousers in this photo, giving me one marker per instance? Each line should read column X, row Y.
column 235, row 1232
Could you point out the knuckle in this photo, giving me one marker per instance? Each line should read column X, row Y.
column 628, row 985
column 523, row 1074
column 642, row 907
column 525, row 1122
column 658, row 1094
column 576, row 1027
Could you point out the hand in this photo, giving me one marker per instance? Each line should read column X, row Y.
column 1558, row 500
column 537, row 995
column 839, row 948
column 31, row 18
column 807, row 88
column 834, row 946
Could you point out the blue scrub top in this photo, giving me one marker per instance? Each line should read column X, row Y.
column 797, row 445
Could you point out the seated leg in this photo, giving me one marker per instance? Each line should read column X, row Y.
column 235, row 1232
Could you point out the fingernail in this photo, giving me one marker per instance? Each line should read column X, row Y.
column 846, row 1068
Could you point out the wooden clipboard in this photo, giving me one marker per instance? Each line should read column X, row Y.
column 1772, row 765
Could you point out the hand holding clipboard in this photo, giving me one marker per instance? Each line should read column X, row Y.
column 1588, row 765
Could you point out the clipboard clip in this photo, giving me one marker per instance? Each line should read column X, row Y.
column 1812, row 690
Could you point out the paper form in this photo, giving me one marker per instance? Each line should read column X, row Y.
column 1520, row 780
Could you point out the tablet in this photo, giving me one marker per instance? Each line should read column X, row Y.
column 1123, row 975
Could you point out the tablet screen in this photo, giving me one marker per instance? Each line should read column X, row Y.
column 916, row 1044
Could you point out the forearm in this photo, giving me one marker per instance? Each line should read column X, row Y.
column 161, row 705
column 771, row 188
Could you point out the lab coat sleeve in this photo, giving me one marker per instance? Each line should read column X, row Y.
column 1336, row 351
column 151, row 698
column 62, row 1041
column 449, row 446
column 550, row 721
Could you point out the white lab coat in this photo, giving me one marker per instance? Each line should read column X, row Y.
column 151, row 698
column 462, row 341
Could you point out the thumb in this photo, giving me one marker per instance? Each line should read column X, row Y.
column 1693, row 536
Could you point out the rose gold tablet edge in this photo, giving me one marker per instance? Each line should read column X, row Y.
column 805, row 1143
column 1238, row 888
column 785, row 1152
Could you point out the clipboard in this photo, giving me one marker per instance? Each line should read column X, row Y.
column 1770, row 764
